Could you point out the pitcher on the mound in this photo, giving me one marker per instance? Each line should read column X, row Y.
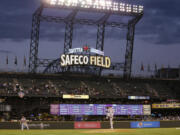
column 110, row 115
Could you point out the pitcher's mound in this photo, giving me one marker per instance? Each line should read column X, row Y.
column 107, row 131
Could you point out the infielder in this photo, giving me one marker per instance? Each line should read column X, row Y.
column 24, row 124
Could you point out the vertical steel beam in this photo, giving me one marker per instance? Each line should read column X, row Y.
column 100, row 41
column 69, row 31
column 129, row 51
column 68, row 36
column 101, row 31
column 34, row 43
column 129, row 46
column 100, row 35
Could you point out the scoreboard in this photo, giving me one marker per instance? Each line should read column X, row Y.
column 99, row 109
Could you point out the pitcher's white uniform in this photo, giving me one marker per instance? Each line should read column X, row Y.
column 24, row 123
column 110, row 115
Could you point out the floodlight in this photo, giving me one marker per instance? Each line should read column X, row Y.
column 89, row 2
column 95, row 4
column 83, row 3
column 141, row 9
column 108, row 5
column 74, row 3
column 115, row 6
column 68, row 2
column 128, row 8
column 53, row 2
column 98, row 4
column 61, row 2
column 102, row 4
column 135, row 8
column 122, row 7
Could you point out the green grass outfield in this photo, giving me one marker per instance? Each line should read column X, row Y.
column 155, row 131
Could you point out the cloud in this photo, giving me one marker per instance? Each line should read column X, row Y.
column 159, row 25
column 6, row 52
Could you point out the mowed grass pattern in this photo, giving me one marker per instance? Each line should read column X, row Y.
column 155, row 131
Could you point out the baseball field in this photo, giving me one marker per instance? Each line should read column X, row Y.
column 155, row 131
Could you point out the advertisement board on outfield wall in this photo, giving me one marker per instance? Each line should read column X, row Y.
column 173, row 105
column 87, row 125
column 145, row 124
column 104, row 125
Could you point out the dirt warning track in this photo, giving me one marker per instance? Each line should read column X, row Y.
column 108, row 131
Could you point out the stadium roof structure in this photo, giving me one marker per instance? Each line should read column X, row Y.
column 105, row 7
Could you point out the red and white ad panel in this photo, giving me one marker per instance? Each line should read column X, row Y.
column 86, row 125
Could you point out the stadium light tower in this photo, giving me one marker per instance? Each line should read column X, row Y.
column 104, row 7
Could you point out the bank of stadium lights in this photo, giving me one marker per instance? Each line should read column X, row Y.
column 98, row 4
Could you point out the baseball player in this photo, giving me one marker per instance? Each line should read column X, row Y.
column 24, row 124
column 110, row 115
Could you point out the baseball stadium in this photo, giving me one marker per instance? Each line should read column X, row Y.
column 91, row 86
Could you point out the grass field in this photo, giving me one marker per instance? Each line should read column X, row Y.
column 155, row 131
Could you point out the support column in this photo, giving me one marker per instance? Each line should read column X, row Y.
column 33, row 57
column 100, row 37
column 68, row 36
column 100, row 41
column 69, row 31
column 129, row 46
column 129, row 51
column 101, row 31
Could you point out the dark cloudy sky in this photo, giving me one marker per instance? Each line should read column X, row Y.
column 157, row 38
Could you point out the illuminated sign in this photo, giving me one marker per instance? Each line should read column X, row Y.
column 138, row 97
column 85, row 49
column 99, row 109
column 75, row 96
column 81, row 56
column 100, row 61
column 174, row 105
column 145, row 124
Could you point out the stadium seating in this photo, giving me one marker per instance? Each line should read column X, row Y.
column 94, row 87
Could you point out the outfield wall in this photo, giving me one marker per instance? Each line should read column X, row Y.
column 71, row 125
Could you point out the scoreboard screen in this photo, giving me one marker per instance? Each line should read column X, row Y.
column 98, row 109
